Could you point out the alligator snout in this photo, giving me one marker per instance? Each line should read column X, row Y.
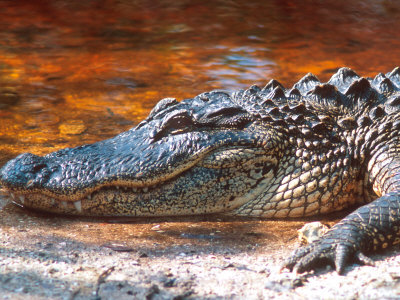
column 25, row 171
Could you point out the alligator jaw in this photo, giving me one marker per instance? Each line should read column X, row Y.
column 165, row 191
column 64, row 203
column 60, row 204
column 177, row 196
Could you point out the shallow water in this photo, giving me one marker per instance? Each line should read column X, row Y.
column 74, row 72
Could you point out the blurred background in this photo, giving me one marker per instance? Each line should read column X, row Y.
column 75, row 72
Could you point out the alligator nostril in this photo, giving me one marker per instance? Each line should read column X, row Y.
column 38, row 168
column 25, row 170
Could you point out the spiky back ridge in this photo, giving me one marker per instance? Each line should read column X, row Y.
column 346, row 99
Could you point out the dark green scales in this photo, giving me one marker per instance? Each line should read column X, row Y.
column 270, row 152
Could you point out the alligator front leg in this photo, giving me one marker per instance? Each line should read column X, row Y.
column 369, row 228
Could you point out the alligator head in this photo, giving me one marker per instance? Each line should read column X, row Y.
column 205, row 154
column 267, row 152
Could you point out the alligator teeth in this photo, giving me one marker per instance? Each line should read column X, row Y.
column 134, row 190
column 64, row 203
column 145, row 189
column 117, row 187
column 125, row 188
column 78, row 205
column 21, row 199
column 89, row 197
column 52, row 200
column 29, row 183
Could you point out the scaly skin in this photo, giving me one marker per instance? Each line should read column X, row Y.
column 270, row 152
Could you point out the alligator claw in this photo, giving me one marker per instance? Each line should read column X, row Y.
column 364, row 260
column 325, row 251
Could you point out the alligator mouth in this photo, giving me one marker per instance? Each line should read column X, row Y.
column 53, row 202
column 77, row 194
column 82, row 200
column 46, row 199
column 170, row 193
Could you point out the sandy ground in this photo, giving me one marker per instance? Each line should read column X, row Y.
column 54, row 257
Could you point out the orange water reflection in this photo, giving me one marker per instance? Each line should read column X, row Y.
column 108, row 62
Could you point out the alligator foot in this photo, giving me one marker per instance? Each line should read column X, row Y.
column 328, row 250
column 371, row 227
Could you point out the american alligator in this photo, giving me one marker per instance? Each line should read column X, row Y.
column 265, row 152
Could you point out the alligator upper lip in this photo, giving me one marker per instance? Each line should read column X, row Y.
column 134, row 183
column 82, row 194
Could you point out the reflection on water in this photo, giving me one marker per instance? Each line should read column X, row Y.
column 74, row 72
column 240, row 67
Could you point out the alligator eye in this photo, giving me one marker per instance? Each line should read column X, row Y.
column 224, row 112
column 233, row 117
column 179, row 122
column 176, row 122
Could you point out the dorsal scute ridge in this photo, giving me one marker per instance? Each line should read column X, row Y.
column 294, row 94
column 394, row 76
column 387, row 86
column 383, row 84
column 361, row 94
column 378, row 79
column 307, row 83
column 325, row 94
column 271, row 85
column 254, row 100
column 346, row 93
column 343, row 78
column 358, row 86
column 277, row 93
